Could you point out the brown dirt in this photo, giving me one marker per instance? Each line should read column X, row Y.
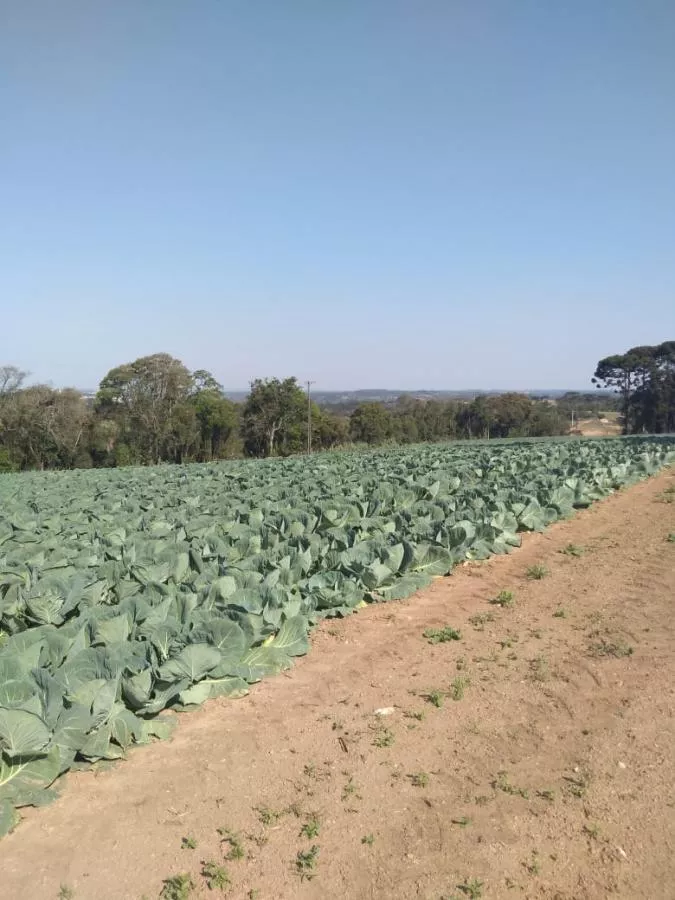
column 552, row 778
column 596, row 428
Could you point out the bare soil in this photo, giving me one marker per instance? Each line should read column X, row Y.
column 547, row 771
column 598, row 428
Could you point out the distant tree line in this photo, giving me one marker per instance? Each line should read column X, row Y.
column 644, row 379
column 499, row 416
column 155, row 410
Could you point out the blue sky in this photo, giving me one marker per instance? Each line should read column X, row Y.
column 394, row 194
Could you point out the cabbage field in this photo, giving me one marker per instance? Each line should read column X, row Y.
column 127, row 591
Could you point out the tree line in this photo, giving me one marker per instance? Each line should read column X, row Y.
column 155, row 410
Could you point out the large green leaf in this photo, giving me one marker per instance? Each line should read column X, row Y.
column 224, row 634
column 291, row 638
column 16, row 693
column 125, row 727
column 21, row 779
column 137, row 688
column 213, row 687
column 406, row 586
column 98, row 745
column 432, row 560
column 261, row 662
column 376, row 575
column 193, row 662
column 73, row 725
column 9, row 817
column 112, row 631
column 22, row 733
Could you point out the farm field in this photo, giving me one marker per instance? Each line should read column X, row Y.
column 147, row 589
column 540, row 774
column 124, row 592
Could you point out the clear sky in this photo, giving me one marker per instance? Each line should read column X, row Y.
column 367, row 193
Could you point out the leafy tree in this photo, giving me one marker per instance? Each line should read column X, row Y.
column 621, row 373
column 44, row 428
column 473, row 419
column 328, row 430
column 204, row 381
column 644, row 377
column 273, row 419
column 7, row 464
column 142, row 397
column 508, row 415
column 546, row 419
column 66, row 420
column 653, row 403
column 11, row 380
column 217, row 417
column 370, row 423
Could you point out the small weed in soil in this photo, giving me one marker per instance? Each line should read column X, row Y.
column 217, row 877
column 546, row 795
column 536, row 572
column 503, row 598
column 471, row 888
column 258, row 839
column 442, row 635
column 539, row 669
column 268, row 816
column 306, row 862
column 385, row 738
column 533, row 866
column 458, row 686
column 350, row 790
column 573, row 550
column 230, row 837
column 480, row 620
column 576, row 785
column 311, row 827
column 66, row 892
column 592, row 831
column 462, row 821
column 188, row 843
column 617, row 649
column 368, row 839
column 671, row 537
column 414, row 714
column 560, row 614
column 435, row 698
column 502, row 783
column 177, row 887
column 419, row 779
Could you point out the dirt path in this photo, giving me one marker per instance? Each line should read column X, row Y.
column 551, row 777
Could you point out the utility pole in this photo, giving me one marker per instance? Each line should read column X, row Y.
column 309, row 416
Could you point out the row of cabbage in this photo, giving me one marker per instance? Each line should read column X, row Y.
column 124, row 592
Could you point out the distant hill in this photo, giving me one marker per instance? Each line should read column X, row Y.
column 385, row 395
